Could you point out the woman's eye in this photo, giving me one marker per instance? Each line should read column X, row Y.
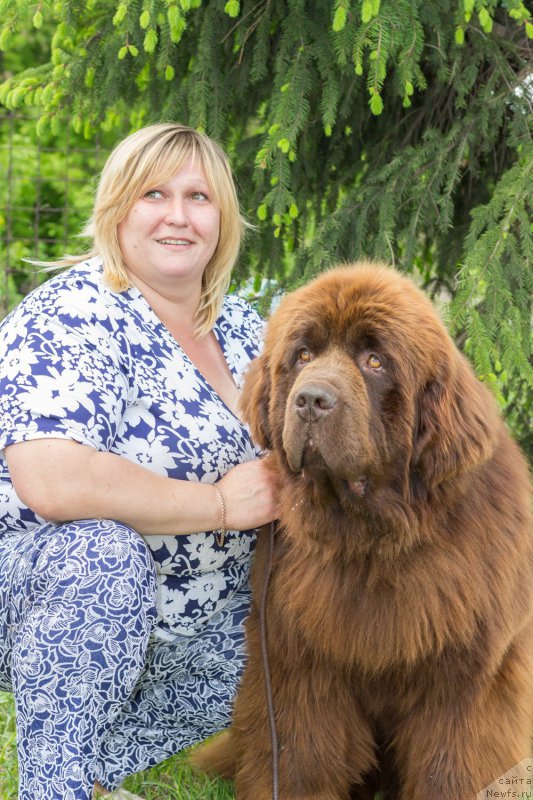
column 373, row 361
column 199, row 196
column 153, row 194
column 304, row 355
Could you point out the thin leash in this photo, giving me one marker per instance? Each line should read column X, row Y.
column 266, row 668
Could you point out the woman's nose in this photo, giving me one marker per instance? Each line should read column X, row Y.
column 175, row 212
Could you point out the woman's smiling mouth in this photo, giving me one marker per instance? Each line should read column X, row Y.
column 179, row 242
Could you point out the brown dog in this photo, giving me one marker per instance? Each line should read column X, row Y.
column 400, row 608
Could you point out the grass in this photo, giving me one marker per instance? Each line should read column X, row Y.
column 171, row 780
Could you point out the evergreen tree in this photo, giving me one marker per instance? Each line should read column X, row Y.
column 391, row 129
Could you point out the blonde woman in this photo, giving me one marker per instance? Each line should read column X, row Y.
column 129, row 488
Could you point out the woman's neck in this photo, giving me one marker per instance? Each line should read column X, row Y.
column 176, row 307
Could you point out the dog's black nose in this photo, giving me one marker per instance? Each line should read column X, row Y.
column 314, row 401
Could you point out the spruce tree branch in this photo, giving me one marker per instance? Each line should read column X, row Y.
column 259, row 11
column 506, row 223
column 435, row 182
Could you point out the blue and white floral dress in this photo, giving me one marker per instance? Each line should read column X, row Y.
column 81, row 362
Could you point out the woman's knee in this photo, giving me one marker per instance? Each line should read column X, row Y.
column 86, row 587
column 104, row 560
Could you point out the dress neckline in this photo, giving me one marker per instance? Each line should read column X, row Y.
column 222, row 341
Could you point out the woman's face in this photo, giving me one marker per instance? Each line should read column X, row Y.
column 170, row 233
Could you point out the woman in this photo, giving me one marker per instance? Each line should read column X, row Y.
column 130, row 489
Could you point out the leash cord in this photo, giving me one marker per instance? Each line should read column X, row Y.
column 266, row 669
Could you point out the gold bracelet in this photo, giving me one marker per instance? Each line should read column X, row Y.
column 220, row 534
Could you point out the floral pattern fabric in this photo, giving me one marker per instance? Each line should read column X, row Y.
column 77, row 605
column 81, row 362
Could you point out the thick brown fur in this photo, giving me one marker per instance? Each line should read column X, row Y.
column 400, row 608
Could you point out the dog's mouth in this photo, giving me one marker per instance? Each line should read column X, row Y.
column 316, row 471
column 359, row 486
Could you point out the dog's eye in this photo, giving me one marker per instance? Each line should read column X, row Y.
column 373, row 361
column 304, row 355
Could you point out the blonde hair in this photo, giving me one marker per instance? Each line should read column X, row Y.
column 146, row 158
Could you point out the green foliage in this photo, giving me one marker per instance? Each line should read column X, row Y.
column 45, row 198
column 392, row 129
column 495, row 294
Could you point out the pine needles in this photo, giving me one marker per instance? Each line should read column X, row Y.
column 391, row 129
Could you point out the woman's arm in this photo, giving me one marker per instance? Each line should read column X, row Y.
column 61, row 480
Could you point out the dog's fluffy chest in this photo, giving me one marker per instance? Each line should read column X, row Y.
column 354, row 613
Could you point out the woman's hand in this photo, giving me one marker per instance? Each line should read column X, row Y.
column 249, row 490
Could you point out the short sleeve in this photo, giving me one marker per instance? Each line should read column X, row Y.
column 58, row 380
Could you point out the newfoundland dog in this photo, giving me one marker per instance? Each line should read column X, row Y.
column 400, row 603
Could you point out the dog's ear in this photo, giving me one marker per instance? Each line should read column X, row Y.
column 255, row 399
column 457, row 424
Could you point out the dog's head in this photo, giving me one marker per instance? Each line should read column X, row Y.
column 362, row 395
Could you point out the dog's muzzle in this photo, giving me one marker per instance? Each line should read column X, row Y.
column 314, row 401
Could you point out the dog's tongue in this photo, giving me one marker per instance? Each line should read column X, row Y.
column 358, row 487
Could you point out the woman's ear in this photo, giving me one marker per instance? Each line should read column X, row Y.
column 457, row 424
column 255, row 399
